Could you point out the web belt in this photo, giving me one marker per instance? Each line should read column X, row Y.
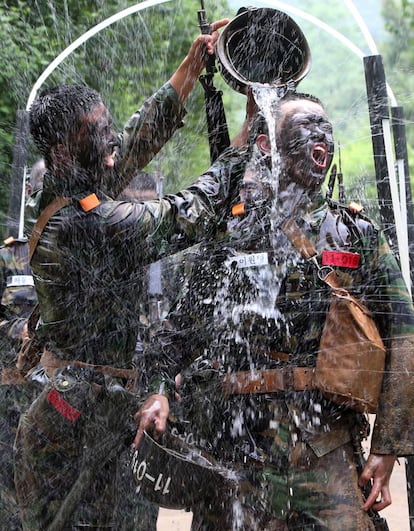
column 269, row 381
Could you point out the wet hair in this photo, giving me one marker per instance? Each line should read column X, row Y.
column 260, row 125
column 57, row 112
column 289, row 96
column 143, row 181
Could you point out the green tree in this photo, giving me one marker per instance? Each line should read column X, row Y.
column 32, row 35
column 125, row 62
column 399, row 57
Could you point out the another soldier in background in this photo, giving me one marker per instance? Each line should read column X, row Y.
column 18, row 298
column 16, row 281
column 143, row 187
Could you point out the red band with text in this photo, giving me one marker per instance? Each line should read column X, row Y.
column 341, row 259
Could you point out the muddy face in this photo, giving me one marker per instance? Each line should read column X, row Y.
column 252, row 189
column 305, row 142
column 97, row 142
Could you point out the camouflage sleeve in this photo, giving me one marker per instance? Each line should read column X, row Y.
column 145, row 133
column 13, row 328
column 196, row 211
column 174, row 346
column 394, row 425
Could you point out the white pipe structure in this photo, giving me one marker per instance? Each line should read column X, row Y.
column 83, row 38
column 62, row 56
column 399, row 200
column 401, row 224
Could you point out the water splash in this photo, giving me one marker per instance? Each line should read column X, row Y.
column 267, row 98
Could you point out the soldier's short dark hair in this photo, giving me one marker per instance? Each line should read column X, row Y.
column 260, row 125
column 57, row 112
column 143, row 181
column 140, row 183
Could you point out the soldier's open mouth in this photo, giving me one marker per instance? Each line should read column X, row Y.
column 320, row 155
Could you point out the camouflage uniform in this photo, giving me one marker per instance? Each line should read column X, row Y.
column 87, row 278
column 293, row 451
column 18, row 300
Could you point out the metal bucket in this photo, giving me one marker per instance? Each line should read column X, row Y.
column 175, row 475
column 262, row 46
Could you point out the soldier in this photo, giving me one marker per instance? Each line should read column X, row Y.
column 87, row 276
column 245, row 333
column 142, row 187
column 18, row 298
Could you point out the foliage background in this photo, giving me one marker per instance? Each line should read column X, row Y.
column 129, row 60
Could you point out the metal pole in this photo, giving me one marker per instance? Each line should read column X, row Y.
column 17, row 185
column 378, row 111
column 400, row 140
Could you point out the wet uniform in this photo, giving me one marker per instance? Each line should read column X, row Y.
column 86, row 267
column 246, row 307
column 18, row 298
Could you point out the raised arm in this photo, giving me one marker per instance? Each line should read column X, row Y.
column 186, row 75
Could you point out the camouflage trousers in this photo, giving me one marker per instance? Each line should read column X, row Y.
column 67, row 451
column 14, row 400
column 290, row 478
column 133, row 512
column 317, row 494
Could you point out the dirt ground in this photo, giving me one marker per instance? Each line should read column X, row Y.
column 396, row 514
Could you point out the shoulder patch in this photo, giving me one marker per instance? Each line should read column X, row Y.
column 89, row 202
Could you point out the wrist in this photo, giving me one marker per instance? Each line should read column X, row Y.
column 164, row 386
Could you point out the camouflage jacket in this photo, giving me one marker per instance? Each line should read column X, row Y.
column 242, row 300
column 87, row 264
column 18, row 296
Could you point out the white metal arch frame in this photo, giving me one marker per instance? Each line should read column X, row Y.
column 399, row 203
column 62, row 56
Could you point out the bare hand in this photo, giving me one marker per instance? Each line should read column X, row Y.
column 25, row 333
column 379, row 469
column 187, row 73
column 211, row 42
column 205, row 42
column 152, row 417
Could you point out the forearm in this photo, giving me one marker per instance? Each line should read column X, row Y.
column 394, row 424
column 195, row 211
column 187, row 74
column 145, row 133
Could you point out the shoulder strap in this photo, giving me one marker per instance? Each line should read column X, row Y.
column 45, row 215
column 298, row 239
column 309, row 252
